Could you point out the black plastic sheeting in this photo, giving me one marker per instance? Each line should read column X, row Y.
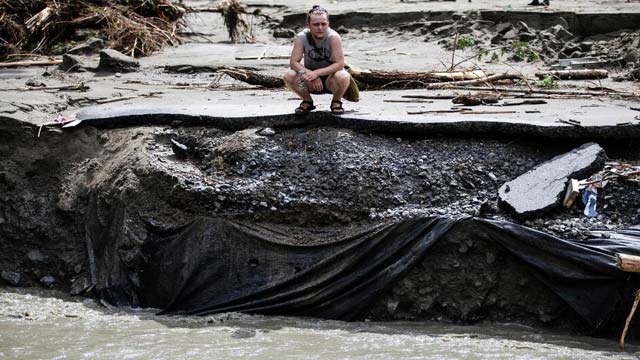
column 215, row 265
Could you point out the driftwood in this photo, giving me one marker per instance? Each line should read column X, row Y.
column 544, row 91
column 253, row 78
column 266, row 57
column 581, row 74
column 479, row 99
column 29, row 63
column 488, row 112
column 629, row 317
column 378, row 79
column 525, row 102
column 408, row 101
column 628, row 263
column 485, row 80
column 434, row 97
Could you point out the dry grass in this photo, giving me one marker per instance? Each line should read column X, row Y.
column 234, row 19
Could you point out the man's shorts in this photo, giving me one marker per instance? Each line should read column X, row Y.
column 325, row 90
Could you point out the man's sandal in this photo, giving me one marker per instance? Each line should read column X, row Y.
column 304, row 110
column 337, row 110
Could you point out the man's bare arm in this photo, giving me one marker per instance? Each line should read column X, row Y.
column 296, row 56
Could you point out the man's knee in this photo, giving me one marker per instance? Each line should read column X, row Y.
column 340, row 78
column 289, row 76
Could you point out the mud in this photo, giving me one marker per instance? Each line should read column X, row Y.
column 318, row 179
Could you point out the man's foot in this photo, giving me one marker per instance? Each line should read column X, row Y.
column 305, row 107
column 336, row 107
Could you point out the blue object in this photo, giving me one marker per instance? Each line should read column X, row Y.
column 589, row 199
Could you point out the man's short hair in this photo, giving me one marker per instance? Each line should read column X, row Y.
column 316, row 10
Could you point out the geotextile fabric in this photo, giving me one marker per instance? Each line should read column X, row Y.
column 214, row 265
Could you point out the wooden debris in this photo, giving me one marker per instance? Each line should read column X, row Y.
column 435, row 111
column 266, row 57
column 635, row 108
column 434, row 97
column 525, row 102
column 408, row 101
column 253, row 78
column 30, row 63
column 381, row 79
column 545, row 91
column 485, row 80
column 629, row 317
column 628, row 263
column 581, row 74
column 570, row 122
column 478, row 99
column 488, row 112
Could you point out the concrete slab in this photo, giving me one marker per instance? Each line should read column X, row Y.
column 540, row 189
column 609, row 119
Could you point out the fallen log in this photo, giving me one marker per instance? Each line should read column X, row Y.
column 253, row 78
column 30, row 63
column 548, row 92
column 485, row 80
column 581, row 74
column 379, row 79
column 628, row 263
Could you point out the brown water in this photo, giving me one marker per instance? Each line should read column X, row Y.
column 36, row 324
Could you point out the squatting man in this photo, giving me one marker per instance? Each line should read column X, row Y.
column 323, row 70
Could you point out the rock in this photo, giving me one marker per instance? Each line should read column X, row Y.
column 342, row 30
column 79, row 285
column 35, row 256
column 503, row 27
column 511, row 34
column 284, row 33
column 560, row 32
column 113, row 60
column 10, row 277
column 542, row 188
column 267, row 132
column 91, row 46
column 443, row 30
column 47, row 280
column 526, row 36
column 496, row 39
column 71, row 63
column 632, row 56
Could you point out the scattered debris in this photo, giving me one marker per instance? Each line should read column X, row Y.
column 586, row 74
column 113, row 60
column 181, row 150
column 234, row 19
column 11, row 277
column 477, row 99
column 629, row 317
column 541, row 189
column 30, row 63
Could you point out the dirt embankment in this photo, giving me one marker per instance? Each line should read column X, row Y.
column 314, row 179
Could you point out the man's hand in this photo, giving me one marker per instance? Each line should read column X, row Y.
column 313, row 81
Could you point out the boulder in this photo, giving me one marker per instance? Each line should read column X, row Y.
column 560, row 32
column 541, row 189
column 10, row 277
column 91, row 46
column 71, row 63
column 115, row 61
column 284, row 33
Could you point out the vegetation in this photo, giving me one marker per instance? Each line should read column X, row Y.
column 523, row 52
column 547, row 83
column 464, row 42
column 136, row 27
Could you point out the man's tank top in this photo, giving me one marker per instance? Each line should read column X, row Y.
column 317, row 57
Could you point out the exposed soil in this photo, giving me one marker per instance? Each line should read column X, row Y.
column 310, row 181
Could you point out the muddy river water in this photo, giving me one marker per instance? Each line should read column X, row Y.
column 37, row 324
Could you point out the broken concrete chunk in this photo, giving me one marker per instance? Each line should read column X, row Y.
column 90, row 47
column 113, row 60
column 12, row 278
column 542, row 188
column 284, row 33
column 503, row 27
column 71, row 63
column 560, row 32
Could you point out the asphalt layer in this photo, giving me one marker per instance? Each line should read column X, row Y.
column 153, row 96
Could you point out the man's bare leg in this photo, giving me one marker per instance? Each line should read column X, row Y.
column 338, row 83
column 291, row 80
